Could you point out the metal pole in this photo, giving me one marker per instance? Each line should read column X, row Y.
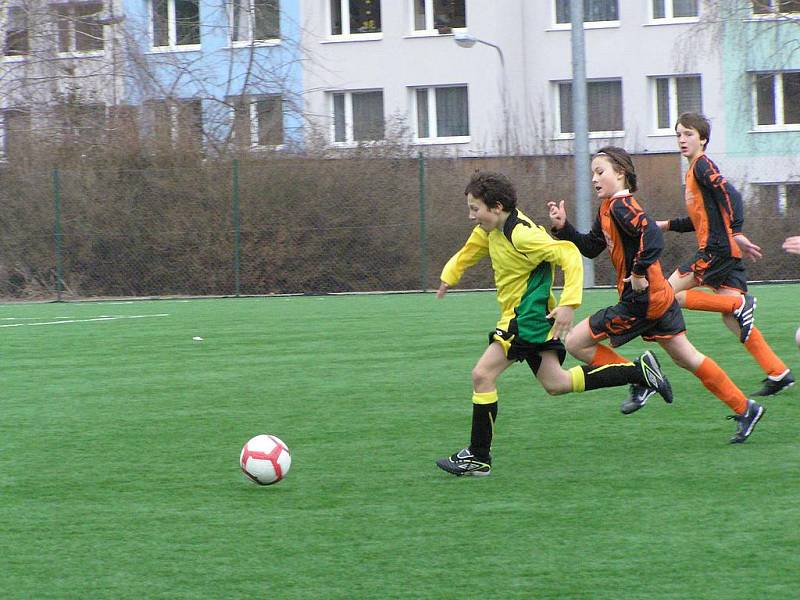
column 237, row 246
column 580, row 120
column 57, row 235
column 423, row 242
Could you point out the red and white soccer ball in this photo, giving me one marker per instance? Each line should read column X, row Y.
column 265, row 459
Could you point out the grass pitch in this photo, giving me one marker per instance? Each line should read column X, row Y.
column 121, row 435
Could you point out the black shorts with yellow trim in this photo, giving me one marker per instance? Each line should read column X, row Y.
column 519, row 350
column 715, row 271
column 626, row 321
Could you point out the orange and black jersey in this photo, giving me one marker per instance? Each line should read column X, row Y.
column 635, row 244
column 714, row 207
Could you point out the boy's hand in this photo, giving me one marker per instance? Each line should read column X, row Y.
column 747, row 247
column 639, row 284
column 663, row 225
column 442, row 290
column 792, row 244
column 558, row 214
column 563, row 316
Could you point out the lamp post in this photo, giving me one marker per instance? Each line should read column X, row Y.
column 466, row 40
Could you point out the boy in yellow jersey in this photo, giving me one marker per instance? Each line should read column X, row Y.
column 532, row 325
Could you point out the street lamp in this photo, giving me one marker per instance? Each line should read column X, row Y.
column 467, row 40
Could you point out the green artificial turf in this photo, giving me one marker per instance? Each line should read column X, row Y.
column 120, row 443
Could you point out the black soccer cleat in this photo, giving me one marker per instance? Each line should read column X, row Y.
column 747, row 422
column 653, row 375
column 464, row 462
column 746, row 317
column 638, row 397
column 773, row 386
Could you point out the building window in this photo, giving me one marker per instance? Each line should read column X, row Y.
column 768, row 7
column 355, row 16
column 593, row 10
column 16, row 132
column 783, row 197
column 439, row 15
column 674, row 96
column 674, row 9
column 358, row 116
column 777, row 99
column 78, row 28
column 255, row 20
column 604, row 100
column 17, row 37
column 442, row 112
column 81, row 125
column 175, row 23
column 177, row 122
column 258, row 121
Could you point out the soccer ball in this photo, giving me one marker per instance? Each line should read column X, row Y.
column 797, row 337
column 265, row 459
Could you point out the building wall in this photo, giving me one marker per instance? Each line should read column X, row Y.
column 758, row 154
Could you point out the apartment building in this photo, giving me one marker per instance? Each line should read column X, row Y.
column 473, row 78
column 190, row 72
column 453, row 77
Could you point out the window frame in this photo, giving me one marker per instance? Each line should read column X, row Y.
column 349, row 138
column 27, row 30
column 72, row 19
column 586, row 24
column 771, row 13
column 26, row 113
column 251, row 101
column 430, row 20
column 604, row 134
column 778, row 102
column 433, row 125
column 669, row 12
column 172, row 109
column 673, row 109
column 172, row 30
column 273, row 41
column 346, row 34
column 781, row 193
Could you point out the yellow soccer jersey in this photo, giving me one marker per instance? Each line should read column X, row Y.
column 524, row 257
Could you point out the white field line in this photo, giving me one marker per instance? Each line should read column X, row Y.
column 85, row 320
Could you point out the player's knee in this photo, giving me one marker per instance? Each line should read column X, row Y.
column 681, row 298
column 480, row 378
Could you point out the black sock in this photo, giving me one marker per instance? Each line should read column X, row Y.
column 483, row 418
column 611, row 375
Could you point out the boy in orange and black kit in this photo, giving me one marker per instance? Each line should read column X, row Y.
column 647, row 306
column 716, row 216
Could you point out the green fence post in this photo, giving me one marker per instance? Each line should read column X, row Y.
column 423, row 242
column 237, row 242
column 57, row 234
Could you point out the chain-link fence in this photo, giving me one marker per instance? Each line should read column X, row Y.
column 293, row 225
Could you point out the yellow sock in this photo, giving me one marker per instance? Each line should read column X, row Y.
column 484, row 397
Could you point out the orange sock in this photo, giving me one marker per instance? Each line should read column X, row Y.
column 696, row 300
column 718, row 383
column 766, row 358
column 606, row 356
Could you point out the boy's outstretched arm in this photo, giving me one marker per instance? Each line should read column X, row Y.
column 475, row 249
column 589, row 244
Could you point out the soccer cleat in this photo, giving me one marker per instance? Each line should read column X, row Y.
column 654, row 376
column 639, row 395
column 464, row 462
column 773, row 386
column 746, row 423
column 746, row 317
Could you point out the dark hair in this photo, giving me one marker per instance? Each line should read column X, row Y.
column 622, row 162
column 698, row 122
column 492, row 189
